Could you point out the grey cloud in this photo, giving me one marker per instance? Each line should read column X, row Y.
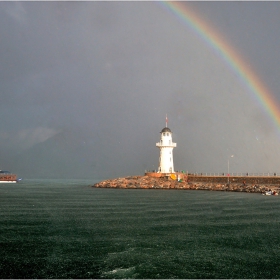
column 85, row 86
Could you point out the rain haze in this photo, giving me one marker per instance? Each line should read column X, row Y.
column 85, row 87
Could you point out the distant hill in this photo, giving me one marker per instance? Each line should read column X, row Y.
column 76, row 154
column 65, row 155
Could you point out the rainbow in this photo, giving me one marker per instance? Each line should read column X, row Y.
column 238, row 65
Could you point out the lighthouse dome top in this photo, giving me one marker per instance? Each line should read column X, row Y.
column 166, row 129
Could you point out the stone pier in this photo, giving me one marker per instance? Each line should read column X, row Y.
column 212, row 183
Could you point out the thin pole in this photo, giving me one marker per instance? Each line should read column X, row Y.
column 228, row 171
column 228, row 167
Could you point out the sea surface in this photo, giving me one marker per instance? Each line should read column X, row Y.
column 67, row 229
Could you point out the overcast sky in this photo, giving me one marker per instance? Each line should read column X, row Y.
column 85, row 87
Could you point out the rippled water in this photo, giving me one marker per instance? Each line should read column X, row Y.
column 66, row 229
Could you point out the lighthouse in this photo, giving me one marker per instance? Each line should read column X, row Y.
column 166, row 146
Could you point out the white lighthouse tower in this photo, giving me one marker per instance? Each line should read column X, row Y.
column 166, row 151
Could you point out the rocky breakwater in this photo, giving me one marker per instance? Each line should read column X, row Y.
column 147, row 182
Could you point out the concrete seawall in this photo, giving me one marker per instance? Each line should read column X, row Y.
column 264, row 180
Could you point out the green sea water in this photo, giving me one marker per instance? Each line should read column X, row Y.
column 67, row 229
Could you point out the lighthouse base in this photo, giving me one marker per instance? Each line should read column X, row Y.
column 155, row 174
column 174, row 176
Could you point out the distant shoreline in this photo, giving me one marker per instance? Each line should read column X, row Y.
column 146, row 182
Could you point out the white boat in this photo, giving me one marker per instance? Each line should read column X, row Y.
column 267, row 193
column 270, row 193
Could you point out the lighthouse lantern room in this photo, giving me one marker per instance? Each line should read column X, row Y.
column 166, row 146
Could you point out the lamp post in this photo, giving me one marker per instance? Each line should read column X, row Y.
column 228, row 168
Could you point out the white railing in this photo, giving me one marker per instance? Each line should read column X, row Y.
column 249, row 174
column 159, row 144
column 225, row 174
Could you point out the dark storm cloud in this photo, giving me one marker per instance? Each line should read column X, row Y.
column 85, row 87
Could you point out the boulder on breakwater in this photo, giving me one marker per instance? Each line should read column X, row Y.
column 147, row 182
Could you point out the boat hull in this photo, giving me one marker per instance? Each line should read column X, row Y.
column 8, row 178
